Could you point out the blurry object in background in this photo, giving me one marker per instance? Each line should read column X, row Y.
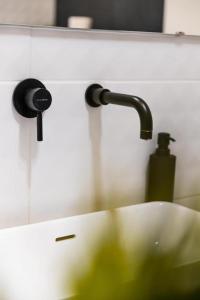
column 80, row 22
column 29, row 12
column 182, row 16
column 135, row 15
column 168, row 16
column 180, row 33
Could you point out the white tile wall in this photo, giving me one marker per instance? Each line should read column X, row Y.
column 112, row 57
column 14, row 162
column 14, row 53
column 61, row 166
column 94, row 152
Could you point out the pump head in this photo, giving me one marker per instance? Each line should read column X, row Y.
column 164, row 140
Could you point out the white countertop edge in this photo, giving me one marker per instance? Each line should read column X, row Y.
column 101, row 32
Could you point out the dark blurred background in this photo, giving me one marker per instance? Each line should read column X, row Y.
column 135, row 15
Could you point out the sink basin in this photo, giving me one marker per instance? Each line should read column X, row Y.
column 36, row 261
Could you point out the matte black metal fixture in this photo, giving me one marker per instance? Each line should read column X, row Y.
column 96, row 96
column 31, row 99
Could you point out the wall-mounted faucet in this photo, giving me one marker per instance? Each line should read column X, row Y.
column 96, row 96
column 30, row 100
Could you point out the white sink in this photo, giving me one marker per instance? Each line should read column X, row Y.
column 34, row 266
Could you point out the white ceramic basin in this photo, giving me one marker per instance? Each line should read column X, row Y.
column 34, row 266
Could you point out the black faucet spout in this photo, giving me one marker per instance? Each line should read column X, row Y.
column 96, row 96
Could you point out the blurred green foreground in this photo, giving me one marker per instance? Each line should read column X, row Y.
column 114, row 273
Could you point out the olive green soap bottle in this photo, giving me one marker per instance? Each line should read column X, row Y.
column 161, row 171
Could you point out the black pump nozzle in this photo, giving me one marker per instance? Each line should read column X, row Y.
column 164, row 139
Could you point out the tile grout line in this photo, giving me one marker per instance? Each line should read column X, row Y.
column 82, row 81
column 29, row 137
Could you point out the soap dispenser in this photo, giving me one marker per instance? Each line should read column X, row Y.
column 161, row 171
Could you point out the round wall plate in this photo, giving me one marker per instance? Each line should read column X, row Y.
column 89, row 95
column 19, row 96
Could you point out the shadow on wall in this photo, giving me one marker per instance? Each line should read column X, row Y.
column 95, row 130
column 24, row 141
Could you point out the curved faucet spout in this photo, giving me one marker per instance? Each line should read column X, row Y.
column 96, row 96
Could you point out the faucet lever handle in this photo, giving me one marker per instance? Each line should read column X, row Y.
column 39, row 127
column 31, row 99
column 38, row 100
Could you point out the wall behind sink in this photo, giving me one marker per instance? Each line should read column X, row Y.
column 88, row 152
